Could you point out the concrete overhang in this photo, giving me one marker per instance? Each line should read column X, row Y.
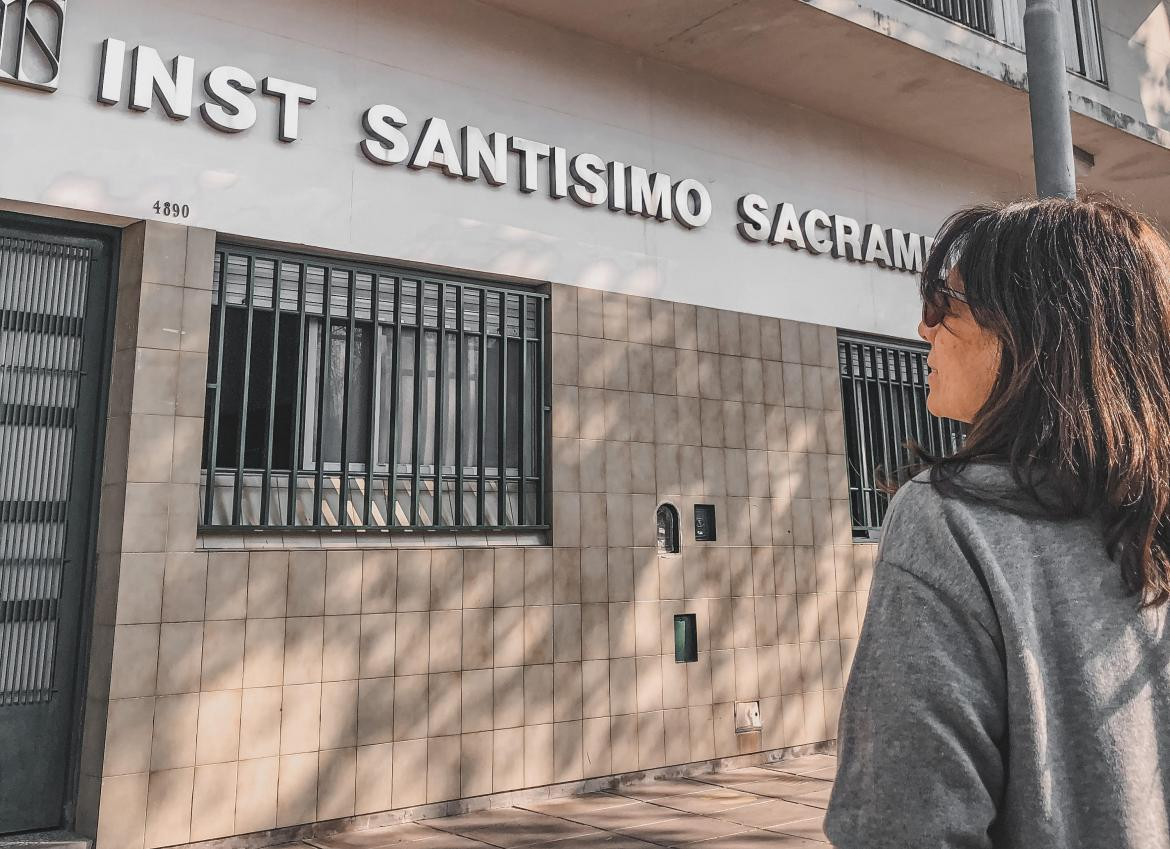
column 938, row 83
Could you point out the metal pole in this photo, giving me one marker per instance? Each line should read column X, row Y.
column 1052, row 146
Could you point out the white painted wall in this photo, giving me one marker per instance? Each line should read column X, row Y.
column 473, row 65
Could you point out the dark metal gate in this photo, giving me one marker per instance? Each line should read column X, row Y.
column 54, row 302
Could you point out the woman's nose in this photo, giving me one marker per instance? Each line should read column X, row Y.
column 924, row 331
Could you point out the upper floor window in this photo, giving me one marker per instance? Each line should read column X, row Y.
column 1003, row 20
column 343, row 394
column 883, row 386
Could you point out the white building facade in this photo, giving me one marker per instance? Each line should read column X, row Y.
column 409, row 404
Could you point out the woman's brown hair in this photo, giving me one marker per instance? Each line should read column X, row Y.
column 1078, row 293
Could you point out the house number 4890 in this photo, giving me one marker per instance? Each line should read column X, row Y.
column 171, row 210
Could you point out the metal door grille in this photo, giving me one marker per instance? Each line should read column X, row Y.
column 884, row 390
column 43, row 290
column 341, row 394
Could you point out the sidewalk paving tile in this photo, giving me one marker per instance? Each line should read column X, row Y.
column 775, row 806
column 684, row 830
column 827, row 773
column 810, row 829
column 759, row 839
column 736, row 777
column 710, row 801
column 621, row 817
column 656, row 789
column 784, row 788
column 376, row 838
column 597, row 840
column 566, row 805
column 789, row 779
column 804, row 765
column 509, row 827
column 440, row 840
column 773, row 812
column 817, row 797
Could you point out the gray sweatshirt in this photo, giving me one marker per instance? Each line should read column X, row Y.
column 1032, row 711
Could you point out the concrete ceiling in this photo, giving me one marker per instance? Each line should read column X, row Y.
column 790, row 50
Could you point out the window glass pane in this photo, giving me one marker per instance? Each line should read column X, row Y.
column 358, row 425
column 450, row 362
column 534, row 412
column 491, row 423
column 515, row 388
column 284, row 419
column 334, row 358
column 405, row 397
column 471, row 390
column 427, row 400
column 259, row 367
column 312, row 379
column 385, row 395
column 231, row 401
column 331, row 416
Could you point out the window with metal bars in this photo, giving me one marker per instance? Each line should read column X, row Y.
column 1003, row 20
column 883, row 387
column 977, row 14
column 341, row 394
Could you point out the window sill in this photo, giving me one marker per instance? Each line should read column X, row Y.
column 312, row 540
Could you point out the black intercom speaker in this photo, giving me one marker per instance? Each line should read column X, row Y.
column 705, row 522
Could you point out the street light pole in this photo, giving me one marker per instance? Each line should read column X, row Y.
column 1052, row 147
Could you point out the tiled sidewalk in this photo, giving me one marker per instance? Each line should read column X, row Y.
column 777, row 806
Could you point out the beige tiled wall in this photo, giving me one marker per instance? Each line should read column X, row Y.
column 240, row 691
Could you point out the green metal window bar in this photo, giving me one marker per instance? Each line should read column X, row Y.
column 350, row 395
column 884, row 387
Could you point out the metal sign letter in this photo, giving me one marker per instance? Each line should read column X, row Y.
column 30, row 42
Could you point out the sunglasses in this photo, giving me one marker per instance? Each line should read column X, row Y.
column 933, row 312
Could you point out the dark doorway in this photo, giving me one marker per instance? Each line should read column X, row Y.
column 56, row 283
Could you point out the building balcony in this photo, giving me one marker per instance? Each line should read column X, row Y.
column 950, row 74
column 1003, row 20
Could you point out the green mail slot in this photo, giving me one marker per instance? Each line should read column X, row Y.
column 686, row 643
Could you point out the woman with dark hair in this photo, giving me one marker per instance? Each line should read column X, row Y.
column 1011, row 686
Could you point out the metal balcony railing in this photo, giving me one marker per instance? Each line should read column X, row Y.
column 976, row 14
column 1003, row 20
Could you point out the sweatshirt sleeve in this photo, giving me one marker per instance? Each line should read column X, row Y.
column 922, row 722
